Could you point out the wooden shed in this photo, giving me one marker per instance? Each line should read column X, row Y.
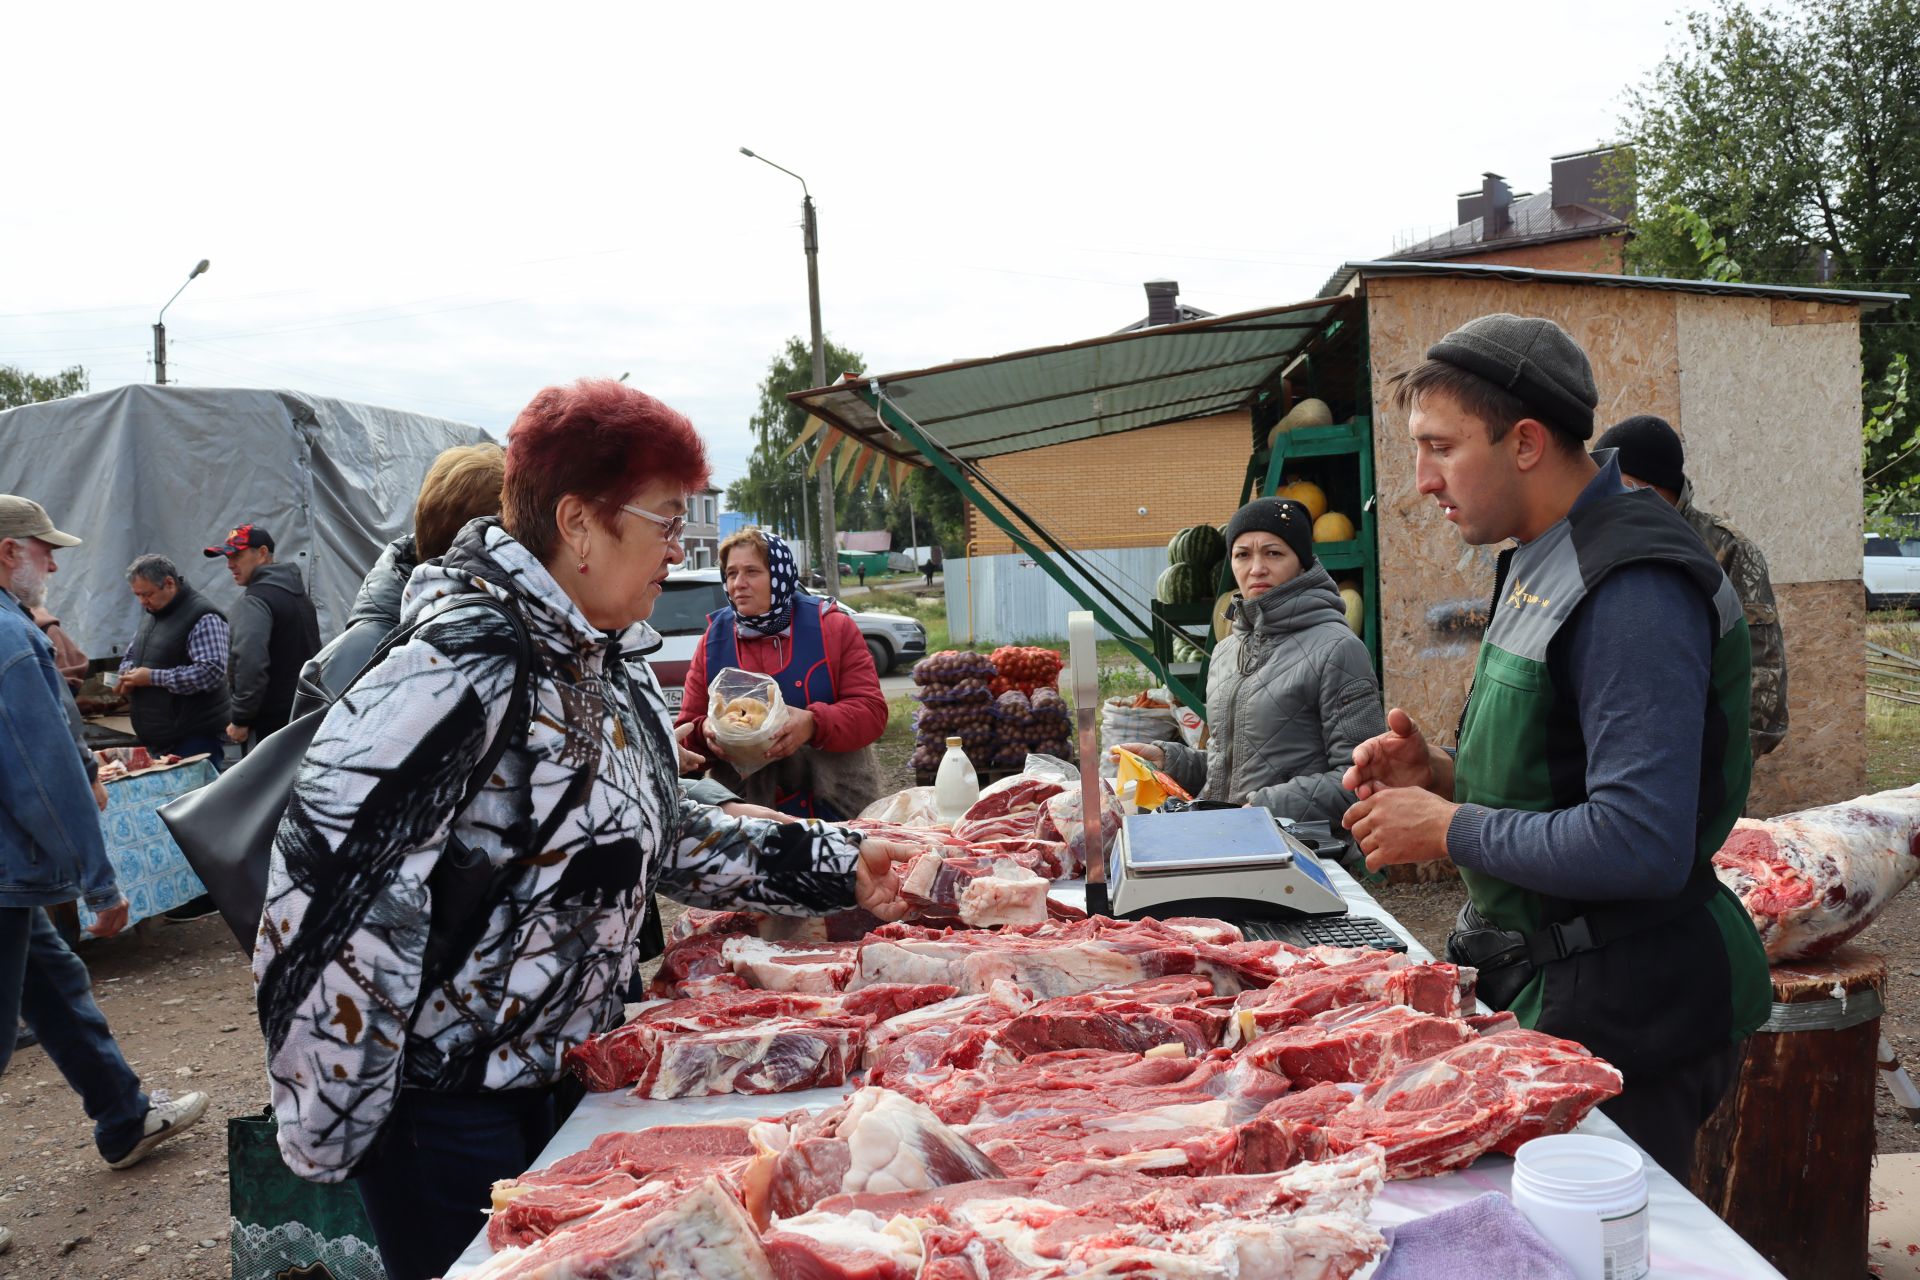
column 1763, row 383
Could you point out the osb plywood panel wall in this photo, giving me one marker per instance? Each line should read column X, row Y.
column 1425, row 569
column 1771, row 418
column 1824, row 758
column 1088, row 493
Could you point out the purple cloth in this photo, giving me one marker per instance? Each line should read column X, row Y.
column 206, row 666
column 1475, row 1241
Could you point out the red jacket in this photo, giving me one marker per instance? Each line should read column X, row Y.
column 855, row 719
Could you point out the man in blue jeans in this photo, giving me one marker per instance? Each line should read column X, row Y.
column 51, row 850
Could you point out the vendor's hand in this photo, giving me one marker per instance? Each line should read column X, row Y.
column 109, row 922
column 876, row 881
column 136, row 678
column 238, row 732
column 741, row 809
column 1148, row 751
column 1399, row 757
column 795, row 732
column 100, row 794
column 691, row 761
column 1400, row 824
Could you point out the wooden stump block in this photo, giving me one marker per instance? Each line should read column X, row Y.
column 1786, row 1159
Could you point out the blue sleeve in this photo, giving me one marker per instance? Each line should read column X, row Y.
column 1636, row 659
column 42, row 785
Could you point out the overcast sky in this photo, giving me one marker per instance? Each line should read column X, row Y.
column 442, row 208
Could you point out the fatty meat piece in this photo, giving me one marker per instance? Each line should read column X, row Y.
column 1813, row 879
column 1354, row 1043
column 1081, row 1082
column 1432, row 987
column 697, row 1234
column 979, row 892
column 774, row 966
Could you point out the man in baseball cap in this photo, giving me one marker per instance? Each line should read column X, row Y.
column 23, row 518
column 1602, row 756
column 274, row 630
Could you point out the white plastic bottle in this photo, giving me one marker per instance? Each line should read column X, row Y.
column 956, row 786
column 1587, row 1196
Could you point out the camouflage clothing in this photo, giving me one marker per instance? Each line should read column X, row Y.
column 1746, row 568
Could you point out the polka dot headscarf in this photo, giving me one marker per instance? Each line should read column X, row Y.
column 785, row 580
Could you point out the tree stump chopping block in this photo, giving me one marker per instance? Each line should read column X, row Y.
column 1786, row 1159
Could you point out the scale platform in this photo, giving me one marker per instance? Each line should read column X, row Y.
column 1237, row 864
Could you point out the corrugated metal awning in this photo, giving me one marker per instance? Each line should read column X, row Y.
column 1103, row 386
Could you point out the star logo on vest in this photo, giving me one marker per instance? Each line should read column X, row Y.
column 1522, row 597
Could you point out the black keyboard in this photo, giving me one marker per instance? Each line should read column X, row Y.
column 1330, row 931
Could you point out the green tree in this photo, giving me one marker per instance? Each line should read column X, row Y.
column 1783, row 144
column 777, row 483
column 18, row 387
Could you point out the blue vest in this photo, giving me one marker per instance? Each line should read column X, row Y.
column 805, row 679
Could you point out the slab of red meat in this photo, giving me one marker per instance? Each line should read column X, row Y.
column 913, row 1049
column 1442, row 1112
column 536, row 1203
column 876, row 1140
column 850, row 1246
column 1009, row 809
column 1354, row 1043
column 976, row 891
column 787, row 966
column 1185, row 1137
column 1432, row 987
column 697, row 1234
column 1813, row 879
column 1097, row 1082
column 1132, row 1019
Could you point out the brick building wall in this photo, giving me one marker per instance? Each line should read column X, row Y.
column 1602, row 255
column 1088, row 493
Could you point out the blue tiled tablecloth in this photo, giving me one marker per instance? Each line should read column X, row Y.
column 150, row 868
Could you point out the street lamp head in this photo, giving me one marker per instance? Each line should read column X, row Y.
column 745, row 152
column 201, row 269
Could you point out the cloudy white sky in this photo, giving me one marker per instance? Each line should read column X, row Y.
column 443, row 207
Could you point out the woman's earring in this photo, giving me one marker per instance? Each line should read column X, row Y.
column 583, row 566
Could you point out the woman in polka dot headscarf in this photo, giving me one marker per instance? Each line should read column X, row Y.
column 823, row 762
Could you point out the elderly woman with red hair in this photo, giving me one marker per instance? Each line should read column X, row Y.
column 430, row 949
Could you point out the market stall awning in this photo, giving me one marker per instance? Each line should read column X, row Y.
column 978, row 409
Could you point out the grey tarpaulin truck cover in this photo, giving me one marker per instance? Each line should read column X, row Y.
column 170, row 469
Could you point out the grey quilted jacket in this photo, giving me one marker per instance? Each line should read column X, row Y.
column 1290, row 694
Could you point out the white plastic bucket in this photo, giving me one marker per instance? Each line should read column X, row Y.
column 1588, row 1197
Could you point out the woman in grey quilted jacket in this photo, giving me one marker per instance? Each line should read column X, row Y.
column 1291, row 690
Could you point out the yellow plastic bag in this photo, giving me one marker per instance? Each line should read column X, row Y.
column 1140, row 782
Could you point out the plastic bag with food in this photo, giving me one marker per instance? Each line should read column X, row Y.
column 913, row 807
column 744, row 712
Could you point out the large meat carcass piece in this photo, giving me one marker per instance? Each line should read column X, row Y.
column 698, row 1233
column 1439, row 1113
column 1813, row 879
column 1354, row 1043
column 1100, row 1082
column 978, row 892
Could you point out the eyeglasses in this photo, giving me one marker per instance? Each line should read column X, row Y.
column 671, row 527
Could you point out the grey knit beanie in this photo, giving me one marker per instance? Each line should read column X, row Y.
column 1532, row 358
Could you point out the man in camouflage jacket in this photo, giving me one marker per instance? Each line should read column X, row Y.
column 1651, row 456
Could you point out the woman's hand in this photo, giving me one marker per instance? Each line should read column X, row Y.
column 877, row 882
column 691, row 762
column 795, row 732
column 1148, row 751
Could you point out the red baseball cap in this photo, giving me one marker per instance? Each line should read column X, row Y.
column 244, row 538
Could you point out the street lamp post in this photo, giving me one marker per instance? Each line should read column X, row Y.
column 160, row 329
column 810, row 229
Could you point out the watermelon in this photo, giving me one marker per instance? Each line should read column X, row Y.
column 1199, row 545
column 1183, row 584
column 1185, row 650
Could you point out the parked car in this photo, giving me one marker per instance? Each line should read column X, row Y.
column 1891, row 569
column 691, row 594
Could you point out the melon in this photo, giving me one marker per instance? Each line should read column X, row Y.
column 1311, row 412
column 1307, row 494
column 1356, row 608
column 1202, row 544
column 1332, row 527
column 1182, row 584
column 1220, row 624
column 1185, row 650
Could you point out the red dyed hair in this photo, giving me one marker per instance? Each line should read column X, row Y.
column 596, row 439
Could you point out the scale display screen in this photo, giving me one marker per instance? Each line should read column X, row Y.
column 1212, row 840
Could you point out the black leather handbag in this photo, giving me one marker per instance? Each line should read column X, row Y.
column 226, row 828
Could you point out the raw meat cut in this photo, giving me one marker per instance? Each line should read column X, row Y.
column 1813, row 879
column 696, row 1234
column 1433, row 987
column 1078, row 1082
column 979, row 892
column 1354, row 1043
column 1009, row 809
column 876, row 1140
column 1132, row 1018
column 914, row 1049
column 1061, row 820
column 1438, row 1113
column 1185, row 1137
column 775, row 966
column 1079, row 1221
column 542, row 1201
column 639, row 1051
column 776, row 1056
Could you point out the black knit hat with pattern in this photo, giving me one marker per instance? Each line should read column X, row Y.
column 1284, row 518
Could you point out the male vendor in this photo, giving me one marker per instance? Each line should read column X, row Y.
column 1603, row 752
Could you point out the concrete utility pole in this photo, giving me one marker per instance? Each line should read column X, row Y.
column 810, row 231
column 160, row 330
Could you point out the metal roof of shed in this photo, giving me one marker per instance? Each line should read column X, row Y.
column 1170, row 373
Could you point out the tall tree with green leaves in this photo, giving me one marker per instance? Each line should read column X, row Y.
column 18, row 386
column 1782, row 143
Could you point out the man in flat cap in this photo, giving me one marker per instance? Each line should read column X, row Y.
column 1602, row 755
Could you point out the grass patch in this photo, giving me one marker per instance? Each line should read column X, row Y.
column 1893, row 728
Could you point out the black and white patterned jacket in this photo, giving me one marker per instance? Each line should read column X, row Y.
column 338, row 964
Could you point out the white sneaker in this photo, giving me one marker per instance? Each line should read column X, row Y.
column 6, row 1239
column 165, row 1117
